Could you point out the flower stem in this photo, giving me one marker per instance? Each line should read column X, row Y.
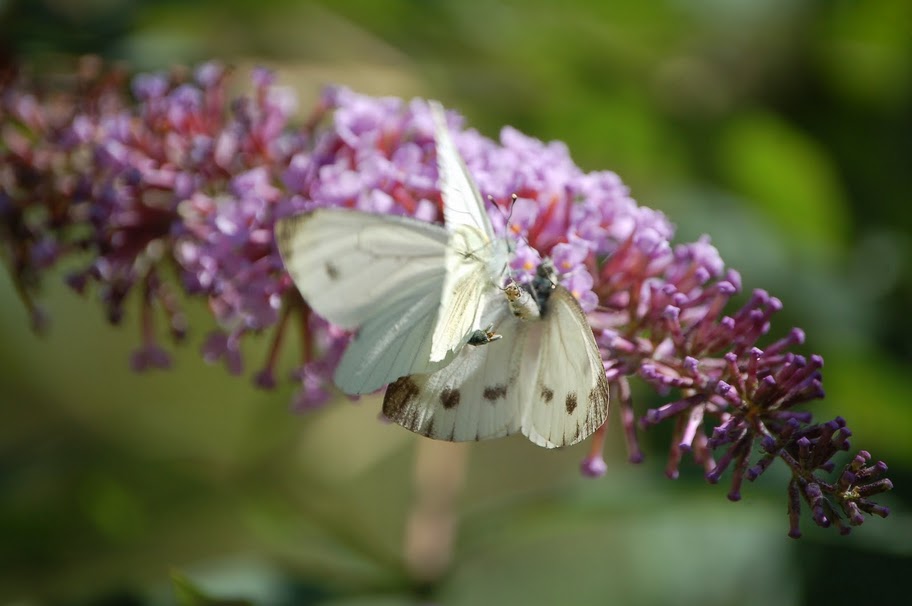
column 440, row 469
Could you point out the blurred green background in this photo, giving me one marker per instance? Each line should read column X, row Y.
column 782, row 128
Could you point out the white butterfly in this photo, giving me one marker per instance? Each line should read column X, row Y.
column 544, row 378
column 414, row 291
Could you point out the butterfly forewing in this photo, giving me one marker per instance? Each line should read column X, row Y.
column 475, row 259
column 345, row 263
column 380, row 274
column 462, row 202
column 467, row 282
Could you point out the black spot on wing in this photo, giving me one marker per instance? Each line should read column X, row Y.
column 571, row 402
column 547, row 394
column 491, row 394
column 449, row 398
column 332, row 272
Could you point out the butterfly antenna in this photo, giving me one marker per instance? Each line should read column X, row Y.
column 493, row 201
column 513, row 199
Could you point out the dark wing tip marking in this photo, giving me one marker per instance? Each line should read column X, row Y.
column 398, row 396
column 571, row 402
column 449, row 398
column 547, row 394
column 493, row 393
column 332, row 272
column 598, row 397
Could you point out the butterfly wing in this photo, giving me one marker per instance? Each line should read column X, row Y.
column 462, row 202
column 475, row 259
column 563, row 379
column 380, row 274
column 475, row 397
column 393, row 343
column 347, row 263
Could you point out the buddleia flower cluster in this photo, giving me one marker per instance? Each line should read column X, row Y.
column 170, row 188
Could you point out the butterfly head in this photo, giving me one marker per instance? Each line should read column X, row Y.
column 543, row 283
column 545, row 275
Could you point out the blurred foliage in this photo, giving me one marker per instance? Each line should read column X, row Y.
column 782, row 128
column 188, row 594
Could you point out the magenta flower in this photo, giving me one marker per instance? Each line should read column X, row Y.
column 182, row 177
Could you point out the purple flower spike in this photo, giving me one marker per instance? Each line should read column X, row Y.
column 180, row 178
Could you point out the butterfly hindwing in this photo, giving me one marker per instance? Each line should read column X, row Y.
column 564, row 378
column 475, row 397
